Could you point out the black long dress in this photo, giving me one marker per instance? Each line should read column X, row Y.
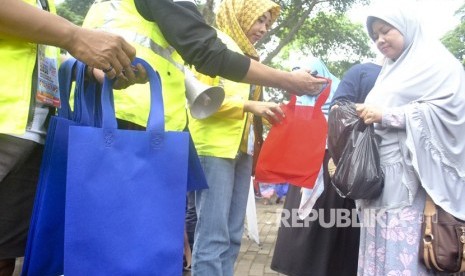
column 315, row 250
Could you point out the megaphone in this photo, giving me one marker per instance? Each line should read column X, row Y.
column 203, row 100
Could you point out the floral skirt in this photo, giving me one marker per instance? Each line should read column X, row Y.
column 389, row 242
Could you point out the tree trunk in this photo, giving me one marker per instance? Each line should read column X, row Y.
column 289, row 37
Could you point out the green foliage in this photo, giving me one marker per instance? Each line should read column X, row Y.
column 334, row 39
column 318, row 28
column 455, row 39
column 74, row 10
column 338, row 68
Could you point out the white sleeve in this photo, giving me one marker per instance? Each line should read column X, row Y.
column 394, row 117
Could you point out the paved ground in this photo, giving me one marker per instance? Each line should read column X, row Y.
column 254, row 259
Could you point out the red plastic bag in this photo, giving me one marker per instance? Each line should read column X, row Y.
column 294, row 150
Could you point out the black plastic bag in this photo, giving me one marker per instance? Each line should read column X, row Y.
column 358, row 173
column 341, row 121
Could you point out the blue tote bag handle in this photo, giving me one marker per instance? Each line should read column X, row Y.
column 156, row 120
column 156, row 123
column 65, row 79
column 84, row 99
column 85, row 94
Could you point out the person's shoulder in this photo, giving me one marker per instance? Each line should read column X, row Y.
column 371, row 70
column 354, row 70
column 230, row 43
column 371, row 66
column 363, row 69
column 365, row 66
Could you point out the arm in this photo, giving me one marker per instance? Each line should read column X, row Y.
column 299, row 82
column 271, row 111
column 98, row 49
column 389, row 117
column 394, row 117
column 184, row 29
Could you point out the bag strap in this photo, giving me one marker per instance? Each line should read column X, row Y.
column 462, row 240
column 292, row 101
column 84, row 97
column 65, row 79
column 322, row 96
column 428, row 237
column 428, row 252
column 156, row 120
column 85, row 110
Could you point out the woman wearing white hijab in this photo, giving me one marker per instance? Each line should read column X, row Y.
column 417, row 106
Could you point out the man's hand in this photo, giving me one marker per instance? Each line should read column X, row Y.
column 136, row 74
column 101, row 50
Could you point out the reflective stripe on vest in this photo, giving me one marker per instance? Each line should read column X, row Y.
column 145, row 41
column 132, row 104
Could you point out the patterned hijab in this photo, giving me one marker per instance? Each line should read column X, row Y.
column 236, row 17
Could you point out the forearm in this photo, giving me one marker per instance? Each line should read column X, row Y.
column 394, row 117
column 264, row 75
column 196, row 41
column 27, row 22
column 299, row 82
column 184, row 29
column 269, row 110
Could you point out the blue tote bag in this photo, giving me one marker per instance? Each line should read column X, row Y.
column 126, row 194
column 44, row 249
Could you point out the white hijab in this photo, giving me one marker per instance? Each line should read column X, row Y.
column 428, row 82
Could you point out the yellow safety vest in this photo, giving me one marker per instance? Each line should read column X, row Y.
column 133, row 104
column 220, row 134
column 18, row 59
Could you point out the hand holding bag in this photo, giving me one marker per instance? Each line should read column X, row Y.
column 126, row 194
column 442, row 248
column 294, row 149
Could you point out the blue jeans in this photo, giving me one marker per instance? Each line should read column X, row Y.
column 220, row 214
